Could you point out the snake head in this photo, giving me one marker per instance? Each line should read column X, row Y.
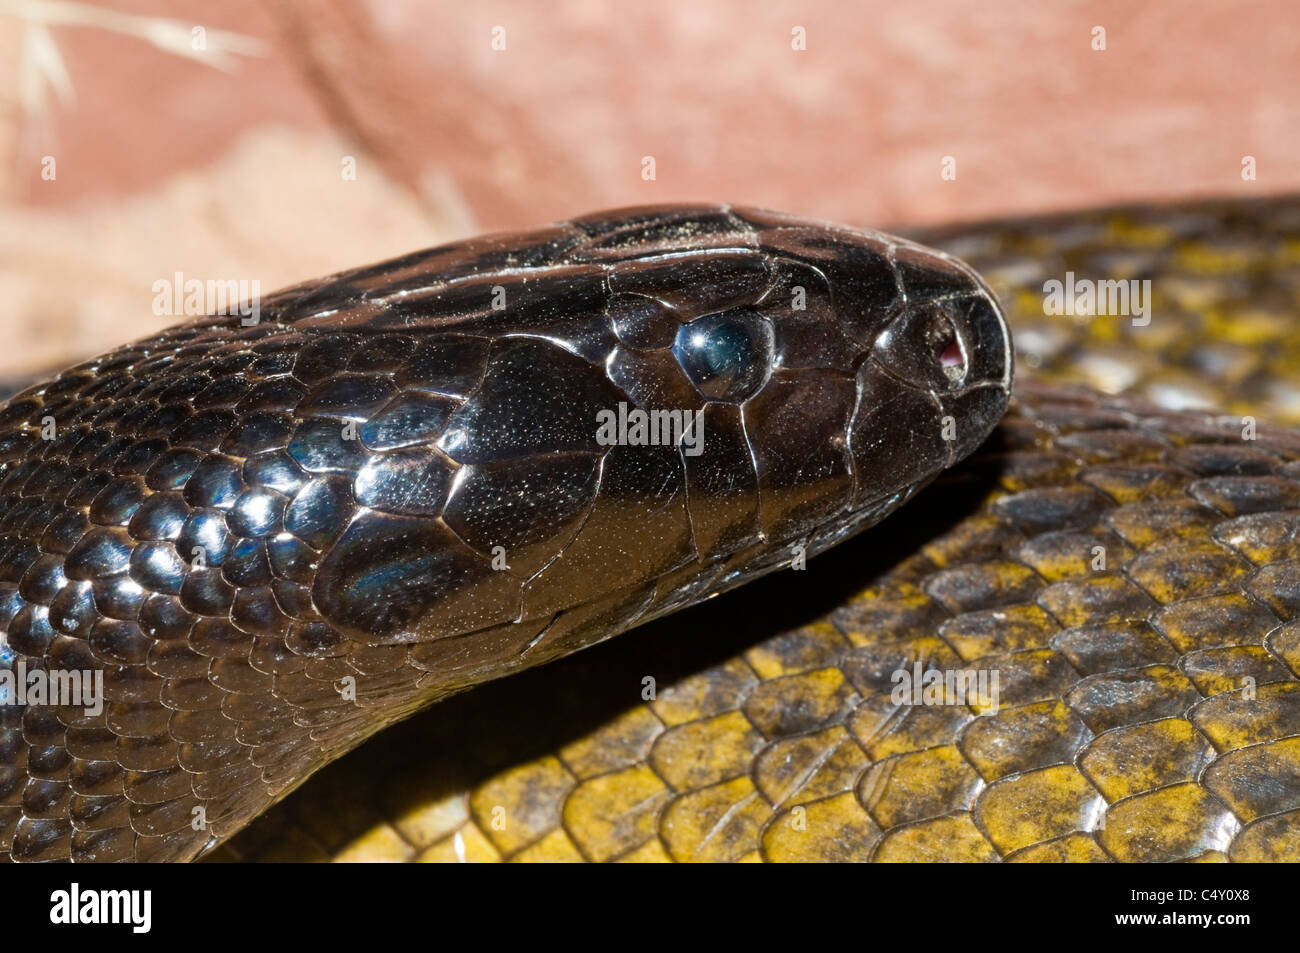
column 270, row 540
column 625, row 413
column 864, row 367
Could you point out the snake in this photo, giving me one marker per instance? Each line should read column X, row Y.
column 272, row 539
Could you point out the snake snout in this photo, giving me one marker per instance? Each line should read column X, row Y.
column 938, row 377
column 950, row 335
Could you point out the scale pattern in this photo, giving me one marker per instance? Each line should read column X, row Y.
column 272, row 540
column 1150, row 710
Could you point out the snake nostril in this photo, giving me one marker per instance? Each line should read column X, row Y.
column 946, row 349
column 951, row 357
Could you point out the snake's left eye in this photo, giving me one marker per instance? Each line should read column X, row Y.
column 727, row 356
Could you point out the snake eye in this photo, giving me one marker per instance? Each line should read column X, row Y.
column 727, row 356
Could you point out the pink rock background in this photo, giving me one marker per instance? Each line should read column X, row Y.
column 166, row 164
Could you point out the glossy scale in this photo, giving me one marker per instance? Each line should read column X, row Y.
column 275, row 540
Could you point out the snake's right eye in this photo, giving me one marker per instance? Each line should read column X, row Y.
column 727, row 356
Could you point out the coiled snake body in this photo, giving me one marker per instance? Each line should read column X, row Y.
column 275, row 540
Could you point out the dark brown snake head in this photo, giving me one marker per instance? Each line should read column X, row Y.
column 273, row 540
